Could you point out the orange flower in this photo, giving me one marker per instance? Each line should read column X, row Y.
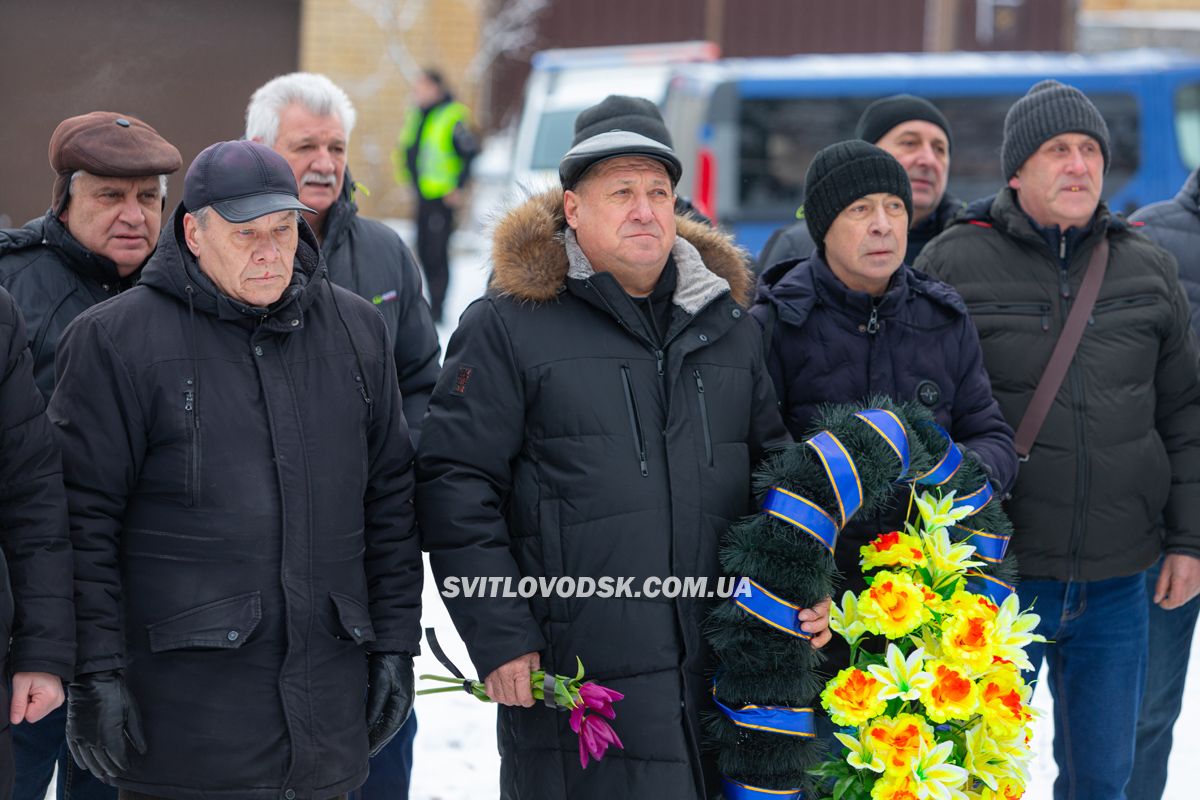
column 898, row 740
column 853, row 697
column 951, row 696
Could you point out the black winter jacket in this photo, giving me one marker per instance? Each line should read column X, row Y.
column 369, row 258
column 239, row 483
column 794, row 242
column 37, row 616
column 560, row 442
column 833, row 345
column 1174, row 225
column 54, row 279
column 1120, row 448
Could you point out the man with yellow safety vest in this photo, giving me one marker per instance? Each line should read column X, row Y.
column 434, row 154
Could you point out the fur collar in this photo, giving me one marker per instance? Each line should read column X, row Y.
column 534, row 252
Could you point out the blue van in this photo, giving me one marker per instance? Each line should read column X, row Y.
column 746, row 129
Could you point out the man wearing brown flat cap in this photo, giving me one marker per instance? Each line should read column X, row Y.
column 103, row 223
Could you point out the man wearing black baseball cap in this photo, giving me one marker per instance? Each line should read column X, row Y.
column 914, row 132
column 239, row 469
column 603, row 405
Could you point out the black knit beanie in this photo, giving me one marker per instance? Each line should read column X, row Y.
column 619, row 112
column 888, row 112
column 1048, row 109
column 844, row 172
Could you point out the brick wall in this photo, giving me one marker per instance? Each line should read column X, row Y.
column 372, row 48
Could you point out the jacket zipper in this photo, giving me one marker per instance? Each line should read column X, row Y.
column 1082, row 478
column 708, row 453
column 873, row 322
column 635, row 421
column 193, row 476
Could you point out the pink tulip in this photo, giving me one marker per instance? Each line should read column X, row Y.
column 599, row 699
column 595, row 735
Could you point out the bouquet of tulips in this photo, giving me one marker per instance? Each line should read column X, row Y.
column 589, row 703
column 944, row 713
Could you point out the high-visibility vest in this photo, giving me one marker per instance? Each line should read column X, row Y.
column 438, row 163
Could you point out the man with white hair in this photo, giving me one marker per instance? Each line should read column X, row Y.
column 308, row 119
column 103, row 223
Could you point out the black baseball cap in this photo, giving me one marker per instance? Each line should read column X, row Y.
column 242, row 181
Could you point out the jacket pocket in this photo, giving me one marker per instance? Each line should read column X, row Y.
column 354, row 618
column 1122, row 303
column 708, row 450
column 1040, row 310
column 222, row 624
column 192, row 468
column 635, row 420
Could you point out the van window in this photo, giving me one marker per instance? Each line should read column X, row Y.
column 779, row 137
column 1187, row 124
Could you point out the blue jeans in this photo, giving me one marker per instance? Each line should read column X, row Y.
column 37, row 748
column 1170, row 646
column 391, row 770
column 1097, row 668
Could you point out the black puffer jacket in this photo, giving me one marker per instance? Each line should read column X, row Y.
column 54, row 279
column 560, row 442
column 1174, row 225
column 240, row 491
column 37, row 611
column 368, row 258
column 832, row 345
column 1121, row 445
column 794, row 242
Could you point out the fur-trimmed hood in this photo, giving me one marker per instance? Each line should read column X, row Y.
column 534, row 252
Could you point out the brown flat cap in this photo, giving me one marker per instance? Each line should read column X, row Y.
column 109, row 144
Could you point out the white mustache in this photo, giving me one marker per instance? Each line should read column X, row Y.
column 319, row 178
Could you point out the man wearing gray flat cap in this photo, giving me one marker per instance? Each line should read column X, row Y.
column 599, row 413
column 239, row 482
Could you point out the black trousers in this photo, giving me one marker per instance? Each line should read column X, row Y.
column 435, row 223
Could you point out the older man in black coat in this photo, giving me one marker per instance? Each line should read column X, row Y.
column 239, row 475
column 600, row 414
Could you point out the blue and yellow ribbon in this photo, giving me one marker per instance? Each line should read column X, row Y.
column 771, row 719
column 771, row 609
column 889, row 426
column 944, row 470
column 843, row 475
column 733, row 790
column 803, row 513
column 976, row 499
column 994, row 589
column 988, row 546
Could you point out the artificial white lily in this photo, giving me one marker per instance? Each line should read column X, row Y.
column 902, row 678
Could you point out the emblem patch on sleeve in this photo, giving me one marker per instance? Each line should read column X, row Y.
column 461, row 379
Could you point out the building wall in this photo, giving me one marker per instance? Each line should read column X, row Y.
column 373, row 49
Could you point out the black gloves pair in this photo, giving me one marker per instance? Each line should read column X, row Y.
column 102, row 720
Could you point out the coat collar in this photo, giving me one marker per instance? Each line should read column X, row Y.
column 534, row 252
column 78, row 258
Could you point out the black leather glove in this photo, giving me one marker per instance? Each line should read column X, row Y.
column 101, row 721
column 389, row 696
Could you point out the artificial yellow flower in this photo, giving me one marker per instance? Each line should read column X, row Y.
column 1004, row 702
column 902, row 678
column 935, row 778
column 968, row 637
column 984, row 758
column 861, row 753
column 845, row 620
column 1013, row 632
column 951, row 695
column 895, row 787
column 852, row 697
column 894, row 549
column 939, row 512
column 1009, row 789
column 894, row 605
column 899, row 740
column 948, row 560
column 971, row 603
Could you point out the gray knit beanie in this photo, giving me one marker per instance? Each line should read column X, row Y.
column 844, row 172
column 1048, row 109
